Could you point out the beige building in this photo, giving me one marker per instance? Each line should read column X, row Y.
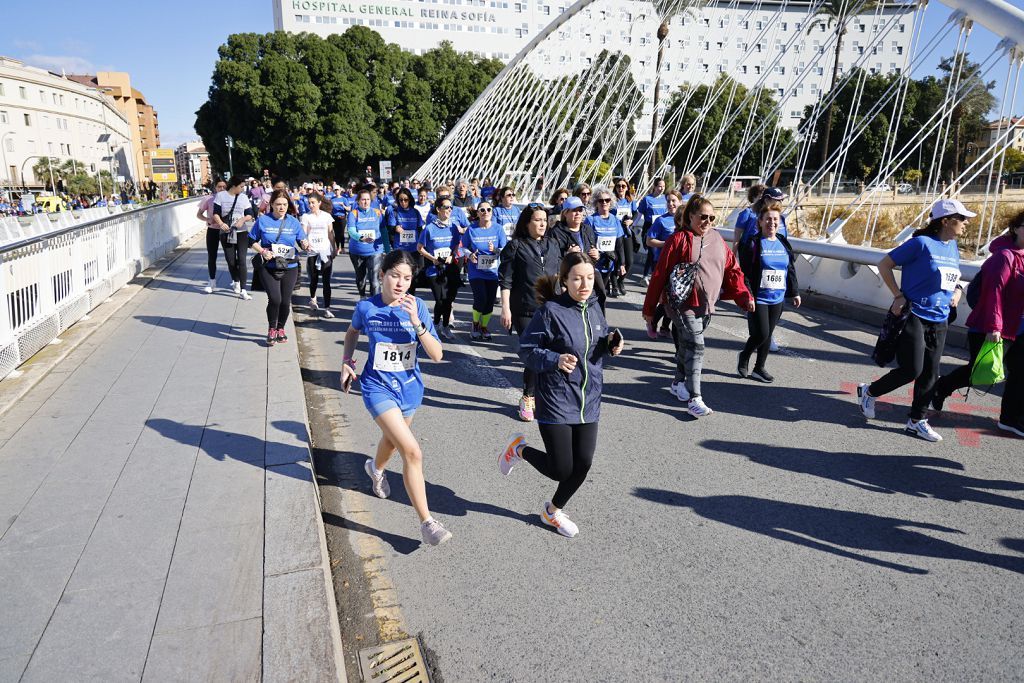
column 140, row 114
column 45, row 115
column 193, row 164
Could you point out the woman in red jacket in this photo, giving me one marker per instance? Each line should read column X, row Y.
column 718, row 273
column 998, row 315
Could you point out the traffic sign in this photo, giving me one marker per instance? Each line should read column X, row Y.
column 164, row 170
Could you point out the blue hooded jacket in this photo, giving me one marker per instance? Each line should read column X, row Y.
column 563, row 325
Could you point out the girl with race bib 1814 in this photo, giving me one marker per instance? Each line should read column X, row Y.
column 397, row 325
column 929, row 286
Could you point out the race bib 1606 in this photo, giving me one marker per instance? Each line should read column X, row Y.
column 773, row 279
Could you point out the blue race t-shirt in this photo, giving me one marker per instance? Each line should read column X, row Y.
column 410, row 221
column 365, row 224
column 265, row 231
column 607, row 230
column 624, row 208
column 663, row 228
column 439, row 241
column 931, row 271
column 506, row 219
column 392, row 366
column 339, row 206
column 650, row 207
column 487, row 244
column 774, row 268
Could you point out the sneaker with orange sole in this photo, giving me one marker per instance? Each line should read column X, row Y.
column 562, row 524
column 510, row 457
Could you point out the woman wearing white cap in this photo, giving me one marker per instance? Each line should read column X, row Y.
column 930, row 261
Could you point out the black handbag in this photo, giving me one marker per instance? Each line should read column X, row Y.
column 889, row 336
column 681, row 281
column 258, row 264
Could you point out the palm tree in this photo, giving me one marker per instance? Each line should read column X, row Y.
column 836, row 14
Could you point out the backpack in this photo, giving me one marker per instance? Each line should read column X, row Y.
column 680, row 282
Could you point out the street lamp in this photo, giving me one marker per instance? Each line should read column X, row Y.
column 230, row 142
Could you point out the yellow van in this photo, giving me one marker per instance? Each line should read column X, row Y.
column 52, row 204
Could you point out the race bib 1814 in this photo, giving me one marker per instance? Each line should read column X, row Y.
column 389, row 357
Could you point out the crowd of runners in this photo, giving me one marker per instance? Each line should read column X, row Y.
column 549, row 268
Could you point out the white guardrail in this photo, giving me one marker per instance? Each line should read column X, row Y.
column 50, row 279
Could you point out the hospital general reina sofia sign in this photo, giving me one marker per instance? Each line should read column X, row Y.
column 389, row 11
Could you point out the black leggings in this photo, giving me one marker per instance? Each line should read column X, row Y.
column 279, row 295
column 570, row 452
column 314, row 278
column 484, row 294
column 444, row 287
column 340, row 236
column 519, row 323
column 212, row 247
column 761, row 324
column 366, row 274
column 918, row 354
column 237, row 256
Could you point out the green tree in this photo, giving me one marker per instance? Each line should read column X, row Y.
column 1013, row 161
column 455, row 80
column 969, row 118
column 835, row 15
column 729, row 149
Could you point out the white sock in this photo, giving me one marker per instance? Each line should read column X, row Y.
column 427, row 521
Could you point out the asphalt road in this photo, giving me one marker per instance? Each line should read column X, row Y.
column 783, row 537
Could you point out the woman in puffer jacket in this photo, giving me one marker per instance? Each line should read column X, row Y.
column 998, row 315
column 565, row 344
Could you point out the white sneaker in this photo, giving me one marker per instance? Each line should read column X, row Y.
column 563, row 524
column 312, row 303
column 773, row 347
column 697, row 408
column 236, row 287
column 678, row 390
column 209, row 287
column 510, row 457
column 922, row 430
column 381, row 487
column 327, row 313
column 244, row 294
column 647, row 280
column 434, row 533
column 867, row 401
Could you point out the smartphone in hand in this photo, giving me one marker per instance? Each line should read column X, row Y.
column 614, row 339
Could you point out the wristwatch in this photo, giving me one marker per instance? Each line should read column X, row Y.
column 422, row 329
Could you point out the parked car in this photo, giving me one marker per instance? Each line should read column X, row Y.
column 905, row 188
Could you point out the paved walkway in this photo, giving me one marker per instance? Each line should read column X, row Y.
column 158, row 519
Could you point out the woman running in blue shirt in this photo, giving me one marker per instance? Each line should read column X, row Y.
column 404, row 226
column 481, row 246
column 438, row 245
column 275, row 238
column 366, row 242
column 505, row 214
column 397, row 326
column 929, row 286
column 610, row 238
column 624, row 208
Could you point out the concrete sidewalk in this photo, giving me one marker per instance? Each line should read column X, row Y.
column 158, row 517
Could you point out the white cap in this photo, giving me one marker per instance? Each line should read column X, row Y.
column 950, row 207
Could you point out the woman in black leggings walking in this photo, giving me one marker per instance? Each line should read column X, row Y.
column 205, row 214
column 275, row 238
column 769, row 267
column 565, row 344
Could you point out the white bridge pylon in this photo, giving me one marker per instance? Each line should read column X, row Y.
column 725, row 88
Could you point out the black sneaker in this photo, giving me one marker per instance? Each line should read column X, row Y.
column 743, row 366
column 761, row 375
column 1012, row 427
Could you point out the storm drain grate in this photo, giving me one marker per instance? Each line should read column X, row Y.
column 398, row 662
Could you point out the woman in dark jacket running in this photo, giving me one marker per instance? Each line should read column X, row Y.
column 565, row 344
column 769, row 267
column 528, row 256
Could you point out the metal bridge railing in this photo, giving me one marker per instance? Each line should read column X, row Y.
column 50, row 281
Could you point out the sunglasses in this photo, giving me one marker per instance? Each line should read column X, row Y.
column 604, row 200
column 585, row 194
column 623, row 185
column 485, row 209
column 536, row 205
column 707, row 217
column 578, row 209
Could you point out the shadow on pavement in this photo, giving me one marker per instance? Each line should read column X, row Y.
column 209, row 329
column 402, row 545
column 838, row 532
column 912, row 475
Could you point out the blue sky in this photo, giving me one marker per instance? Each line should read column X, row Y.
column 170, row 48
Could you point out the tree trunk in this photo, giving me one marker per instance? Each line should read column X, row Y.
column 826, row 133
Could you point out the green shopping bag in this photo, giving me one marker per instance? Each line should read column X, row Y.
column 988, row 367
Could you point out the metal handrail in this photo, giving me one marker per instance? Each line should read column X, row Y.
column 28, row 241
